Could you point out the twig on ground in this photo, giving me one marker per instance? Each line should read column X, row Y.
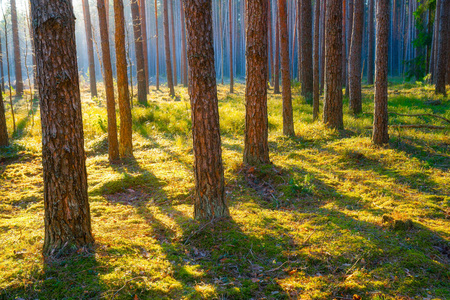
column 198, row 230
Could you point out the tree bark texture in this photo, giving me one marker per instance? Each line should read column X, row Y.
column 288, row 119
column 354, row 76
column 256, row 150
column 348, row 35
column 139, row 51
column 230, row 17
column 125, row 133
column 210, row 202
column 67, row 216
column 316, row 84
column 184, row 67
column 3, row 128
column 380, row 123
column 306, row 48
column 174, row 45
column 322, row 46
column 370, row 47
column 332, row 110
column 113, row 144
column 169, row 73
column 276, row 87
column 16, row 45
column 142, row 10
column 441, row 63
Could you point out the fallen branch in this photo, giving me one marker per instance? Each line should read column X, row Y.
column 414, row 126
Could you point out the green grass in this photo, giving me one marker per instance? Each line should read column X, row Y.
column 310, row 226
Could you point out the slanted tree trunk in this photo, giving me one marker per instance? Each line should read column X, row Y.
column 441, row 62
column 16, row 44
column 332, row 110
column 67, row 216
column 276, row 88
column 139, row 51
column 370, row 59
column 174, row 48
column 167, row 49
column 210, row 202
column 230, row 15
column 354, row 76
column 306, row 48
column 256, row 149
column 380, row 123
column 125, row 133
column 113, row 144
column 90, row 47
column 316, row 62
column 3, row 129
column 142, row 13
column 157, row 44
column 288, row 119
column 184, row 68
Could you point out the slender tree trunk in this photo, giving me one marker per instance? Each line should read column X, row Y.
column 125, row 133
column 256, row 149
column 316, row 61
column 380, row 124
column 184, row 68
column 322, row 47
column 167, row 49
column 3, row 129
column 90, row 47
column 276, row 89
column 142, row 10
column 332, row 111
column 355, row 58
column 1, row 67
column 139, row 51
column 288, row 119
column 370, row 60
column 230, row 15
column 210, row 202
column 349, row 33
column 67, row 216
column 113, row 144
column 435, row 41
column 306, row 49
column 270, row 37
column 441, row 63
column 174, row 48
column 157, row 44
column 11, row 104
column 107, row 13
column 344, row 40
column 16, row 44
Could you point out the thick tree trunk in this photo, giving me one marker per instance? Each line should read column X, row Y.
column 174, row 48
column 354, row 76
column 125, row 136
column 90, row 47
column 167, row 49
column 16, row 44
column 3, row 129
column 142, row 11
column 288, row 119
column 370, row 59
column 306, row 49
column 316, row 62
column 256, row 149
column 276, row 88
column 113, row 144
column 210, row 202
column 157, row 44
column 139, row 51
column 380, row 124
column 230, row 16
column 67, row 216
column 441, row 62
column 332, row 110
column 184, row 67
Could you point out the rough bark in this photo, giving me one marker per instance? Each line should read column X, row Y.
column 67, row 216
column 441, row 62
column 380, row 123
column 256, row 150
column 230, row 17
column 276, row 88
column 354, row 76
column 332, row 110
column 210, row 201
column 370, row 59
column 167, row 50
column 142, row 13
column 139, row 51
column 184, row 67
column 157, row 44
column 125, row 133
column 306, row 48
column 113, row 144
column 288, row 119
column 3, row 129
column 16, row 45
column 174, row 47
column 316, row 86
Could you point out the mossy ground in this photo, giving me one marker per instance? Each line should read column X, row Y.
column 310, row 226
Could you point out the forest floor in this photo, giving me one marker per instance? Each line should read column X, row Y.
column 332, row 217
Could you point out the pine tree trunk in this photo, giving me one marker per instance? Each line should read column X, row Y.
column 139, row 51
column 142, row 13
column 184, row 68
column 316, row 62
column 167, row 50
column 67, row 216
column 276, row 88
column 380, row 124
column 370, row 59
column 299, row 40
column 355, row 58
column 344, row 41
column 113, row 144
column 1, row 67
column 332, row 110
column 306, row 48
column 3, row 129
column 16, row 44
column 174, row 48
column 348, row 35
column 256, row 149
column 270, row 37
column 157, row 44
column 90, row 47
column 441, row 62
column 435, row 41
column 125, row 133
column 210, row 202
column 322, row 46
column 230, row 15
